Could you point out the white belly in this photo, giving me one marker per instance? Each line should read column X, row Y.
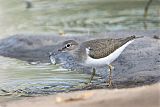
column 107, row 60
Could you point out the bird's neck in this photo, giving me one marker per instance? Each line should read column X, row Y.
column 79, row 54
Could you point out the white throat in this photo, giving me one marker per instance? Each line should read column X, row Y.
column 106, row 60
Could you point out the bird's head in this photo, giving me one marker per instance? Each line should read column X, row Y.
column 68, row 45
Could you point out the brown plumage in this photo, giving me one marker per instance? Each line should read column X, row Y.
column 100, row 48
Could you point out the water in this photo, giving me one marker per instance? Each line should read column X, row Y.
column 80, row 16
column 19, row 78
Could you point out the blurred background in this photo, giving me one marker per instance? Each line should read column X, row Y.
column 76, row 16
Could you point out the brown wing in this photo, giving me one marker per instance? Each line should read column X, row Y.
column 100, row 48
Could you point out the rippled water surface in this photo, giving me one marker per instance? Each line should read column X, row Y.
column 76, row 15
column 70, row 16
column 19, row 78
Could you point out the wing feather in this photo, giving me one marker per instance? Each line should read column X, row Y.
column 100, row 48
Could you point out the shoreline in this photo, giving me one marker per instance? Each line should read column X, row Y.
column 144, row 96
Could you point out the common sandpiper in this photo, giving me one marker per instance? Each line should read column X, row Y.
column 97, row 52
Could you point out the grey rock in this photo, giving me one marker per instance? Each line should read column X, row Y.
column 138, row 64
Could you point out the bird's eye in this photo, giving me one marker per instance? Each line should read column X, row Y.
column 68, row 45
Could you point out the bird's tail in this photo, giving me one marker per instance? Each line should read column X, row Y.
column 127, row 39
column 136, row 37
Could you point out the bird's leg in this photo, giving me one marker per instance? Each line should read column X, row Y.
column 89, row 81
column 92, row 75
column 110, row 76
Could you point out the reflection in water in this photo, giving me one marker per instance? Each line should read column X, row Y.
column 20, row 77
column 146, row 13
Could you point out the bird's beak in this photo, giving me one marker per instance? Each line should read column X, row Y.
column 50, row 54
column 52, row 59
column 62, row 49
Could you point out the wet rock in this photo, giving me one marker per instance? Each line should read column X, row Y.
column 137, row 65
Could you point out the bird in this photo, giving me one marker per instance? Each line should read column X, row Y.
column 97, row 52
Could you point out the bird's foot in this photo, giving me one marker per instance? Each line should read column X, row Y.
column 88, row 82
column 82, row 86
column 109, row 83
